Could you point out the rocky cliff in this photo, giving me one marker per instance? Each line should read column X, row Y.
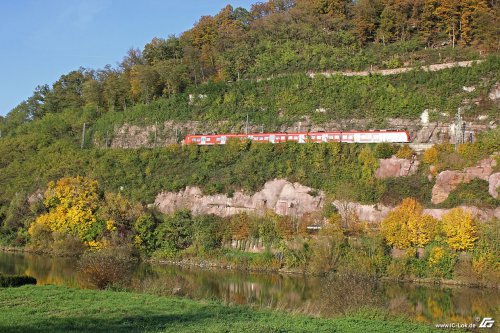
column 284, row 198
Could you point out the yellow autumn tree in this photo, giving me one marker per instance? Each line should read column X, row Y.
column 460, row 229
column 407, row 226
column 430, row 156
column 71, row 204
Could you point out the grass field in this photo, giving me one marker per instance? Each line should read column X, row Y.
column 60, row 309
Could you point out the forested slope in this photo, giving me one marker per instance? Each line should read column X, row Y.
column 254, row 62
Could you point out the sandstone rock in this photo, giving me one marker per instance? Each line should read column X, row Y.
column 286, row 198
column 479, row 213
column 494, row 181
column 278, row 195
column 395, row 167
column 482, row 171
column 367, row 213
column 446, row 182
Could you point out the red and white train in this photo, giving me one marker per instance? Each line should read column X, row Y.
column 392, row 136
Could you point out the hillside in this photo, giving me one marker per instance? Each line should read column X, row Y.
column 258, row 63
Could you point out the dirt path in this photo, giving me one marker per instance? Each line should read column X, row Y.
column 430, row 68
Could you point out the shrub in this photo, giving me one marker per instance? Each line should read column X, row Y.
column 177, row 229
column 460, row 229
column 430, row 156
column 474, row 193
column 326, row 251
column 41, row 238
column 417, row 186
column 15, row 280
column 145, row 238
column 405, row 152
column 109, row 266
column 207, row 235
column 385, row 150
column 440, row 262
column 66, row 245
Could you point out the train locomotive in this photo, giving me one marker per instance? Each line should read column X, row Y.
column 390, row 136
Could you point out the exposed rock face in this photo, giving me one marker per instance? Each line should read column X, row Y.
column 482, row 171
column 284, row 198
column 396, row 167
column 494, row 94
column 281, row 196
column 367, row 213
column 479, row 213
column 494, row 181
column 448, row 180
column 170, row 132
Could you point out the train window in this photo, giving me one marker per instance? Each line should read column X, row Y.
column 266, row 138
column 218, row 139
column 282, row 138
column 208, row 139
column 336, row 137
column 194, row 139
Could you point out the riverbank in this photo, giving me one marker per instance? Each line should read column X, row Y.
column 246, row 266
column 212, row 263
column 61, row 309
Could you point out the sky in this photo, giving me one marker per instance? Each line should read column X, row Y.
column 43, row 39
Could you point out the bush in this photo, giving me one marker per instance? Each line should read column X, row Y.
column 107, row 267
column 430, row 156
column 385, row 150
column 474, row 193
column 405, row 152
column 326, row 252
column 15, row 280
column 65, row 245
column 440, row 262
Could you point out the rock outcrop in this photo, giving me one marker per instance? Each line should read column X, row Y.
column 396, row 167
column 170, row 132
column 494, row 94
column 494, row 181
column 281, row 196
column 479, row 213
column 448, row 180
column 284, row 198
column 366, row 213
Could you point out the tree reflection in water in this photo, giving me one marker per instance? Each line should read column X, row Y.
column 331, row 296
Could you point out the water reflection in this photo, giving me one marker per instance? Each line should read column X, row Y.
column 318, row 296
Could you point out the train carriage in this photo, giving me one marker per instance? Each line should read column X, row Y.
column 391, row 136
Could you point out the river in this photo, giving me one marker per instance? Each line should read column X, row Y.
column 296, row 293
